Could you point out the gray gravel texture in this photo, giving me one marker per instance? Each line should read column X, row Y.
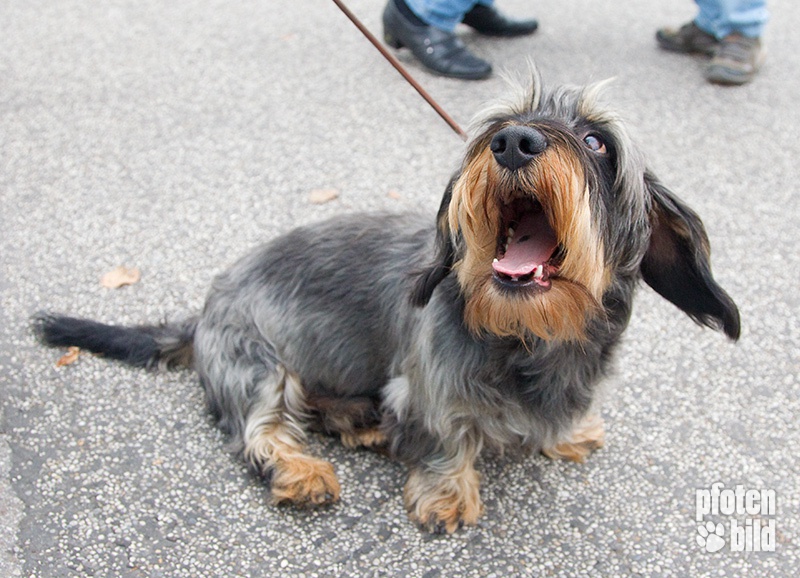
column 173, row 136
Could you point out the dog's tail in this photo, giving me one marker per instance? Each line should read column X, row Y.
column 164, row 346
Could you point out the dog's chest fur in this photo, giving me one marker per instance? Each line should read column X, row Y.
column 512, row 395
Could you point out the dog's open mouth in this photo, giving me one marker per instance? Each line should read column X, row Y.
column 527, row 246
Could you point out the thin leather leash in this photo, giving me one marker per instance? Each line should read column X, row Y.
column 401, row 69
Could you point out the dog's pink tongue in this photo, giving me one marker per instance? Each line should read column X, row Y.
column 533, row 244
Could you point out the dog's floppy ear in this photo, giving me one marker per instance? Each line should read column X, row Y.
column 677, row 263
column 428, row 278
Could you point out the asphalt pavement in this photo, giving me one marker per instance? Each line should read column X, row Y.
column 173, row 136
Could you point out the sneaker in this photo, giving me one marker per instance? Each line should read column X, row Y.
column 688, row 39
column 736, row 60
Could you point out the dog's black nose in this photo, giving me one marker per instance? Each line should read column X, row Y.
column 515, row 146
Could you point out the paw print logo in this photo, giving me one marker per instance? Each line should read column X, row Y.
column 710, row 537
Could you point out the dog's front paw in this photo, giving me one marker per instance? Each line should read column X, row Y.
column 304, row 481
column 443, row 503
column 587, row 436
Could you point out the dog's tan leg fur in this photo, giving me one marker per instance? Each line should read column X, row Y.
column 274, row 439
column 444, row 501
column 296, row 477
column 587, row 436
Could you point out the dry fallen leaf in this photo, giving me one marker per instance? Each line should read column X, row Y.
column 120, row 276
column 71, row 356
column 322, row 196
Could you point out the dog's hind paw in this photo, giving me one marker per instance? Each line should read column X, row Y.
column 372, row 438
column 587, row 436
column 443, row 504
column 305, row 482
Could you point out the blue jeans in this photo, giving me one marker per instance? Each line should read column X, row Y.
column 723, row 17
column 443, row 14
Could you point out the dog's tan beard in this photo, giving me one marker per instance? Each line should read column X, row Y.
column 556, row 180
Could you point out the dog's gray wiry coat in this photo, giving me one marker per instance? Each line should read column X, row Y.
column 351, row 330
column 365, row 313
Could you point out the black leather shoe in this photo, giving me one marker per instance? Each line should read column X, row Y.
column 488, row 21
column 440, row 51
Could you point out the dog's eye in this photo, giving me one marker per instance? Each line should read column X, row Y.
column 595, row 143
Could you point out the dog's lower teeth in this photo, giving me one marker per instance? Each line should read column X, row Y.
column 539, row 273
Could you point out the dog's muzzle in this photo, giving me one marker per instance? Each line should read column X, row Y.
column 527, row 240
